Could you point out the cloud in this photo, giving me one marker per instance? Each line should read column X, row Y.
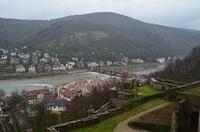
column 179, row 13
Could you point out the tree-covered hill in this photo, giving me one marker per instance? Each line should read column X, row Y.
column 103, row 35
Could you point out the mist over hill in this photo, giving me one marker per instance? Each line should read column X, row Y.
column 98, row 36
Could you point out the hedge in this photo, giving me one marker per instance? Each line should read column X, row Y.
column 152, row 127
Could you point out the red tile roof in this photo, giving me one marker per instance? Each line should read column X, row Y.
column 36, row 92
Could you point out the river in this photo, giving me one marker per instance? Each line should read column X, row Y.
column 139, row 69
column 41, row 82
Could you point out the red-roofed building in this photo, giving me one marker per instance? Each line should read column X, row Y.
column 36, row 96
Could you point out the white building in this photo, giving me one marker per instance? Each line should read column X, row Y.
column 24, row 56
column 20, row 68
column 93, row 64
column 101, row 63
column 46, row 55
column 32, row 69
column 55, row 67
column 160, row 60
column 69, row 66
column 56, row 105
column 108, row 63
column 13, row 53
column 62, row 67
column 138, row 60
column 4, row 57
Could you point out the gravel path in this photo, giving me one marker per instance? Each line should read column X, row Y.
column 123, row 126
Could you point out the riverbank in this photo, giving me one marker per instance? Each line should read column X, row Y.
column 40, row 82
column 8, row 76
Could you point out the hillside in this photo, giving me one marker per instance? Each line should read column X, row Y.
column 185, row 70
column 98, row 36
column 13, row 30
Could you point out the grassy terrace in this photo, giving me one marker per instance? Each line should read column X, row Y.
column 195, row 91
column 147, row 90
column 109, row 124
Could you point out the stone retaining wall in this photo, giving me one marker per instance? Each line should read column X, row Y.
column 84, row 121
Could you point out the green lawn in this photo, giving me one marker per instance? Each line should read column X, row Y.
column 109, row 124
column 147, row 90
column 195, row 91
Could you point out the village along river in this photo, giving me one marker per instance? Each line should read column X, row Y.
column 41, row 82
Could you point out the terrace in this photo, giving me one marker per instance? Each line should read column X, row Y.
column 147, row 90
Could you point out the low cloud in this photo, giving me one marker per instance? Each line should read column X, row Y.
column 184, row 13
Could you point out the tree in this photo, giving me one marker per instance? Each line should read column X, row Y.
column 23, row 92
column 183, row 70
column 16, row 98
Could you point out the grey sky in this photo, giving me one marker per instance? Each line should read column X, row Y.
column 178, row 13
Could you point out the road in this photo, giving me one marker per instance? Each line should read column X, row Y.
column 123, row 126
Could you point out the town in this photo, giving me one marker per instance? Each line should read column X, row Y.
column 54, row 99
column 20, row 60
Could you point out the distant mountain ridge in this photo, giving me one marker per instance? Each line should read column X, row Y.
column 98, row 36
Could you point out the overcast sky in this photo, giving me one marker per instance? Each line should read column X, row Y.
column 177, row 13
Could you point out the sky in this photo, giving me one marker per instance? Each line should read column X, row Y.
column 176, row 13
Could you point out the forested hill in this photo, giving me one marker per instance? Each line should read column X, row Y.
column 102, row 35
column 186, row 70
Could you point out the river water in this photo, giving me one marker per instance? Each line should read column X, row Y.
column 41, row 82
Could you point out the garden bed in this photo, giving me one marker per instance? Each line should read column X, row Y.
column 156, row 121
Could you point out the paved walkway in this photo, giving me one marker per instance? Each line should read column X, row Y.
column 123, row 126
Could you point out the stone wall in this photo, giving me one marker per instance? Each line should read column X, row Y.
column 84, row 121
column 188, row 85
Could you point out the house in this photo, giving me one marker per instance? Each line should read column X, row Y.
column 36, row 96
column 62, row 67
column 124, row 61
column 46, row 55
column 93, row 64
column 55, row 67
column 43, row 60
column 69, row 66
column 160, row 60
column 56, row 105
column 108, row 63
column 5, row 57
column 75, row 59
column 101, row 63
column 20, row 68
column 24, row 56
column 13, row 53
column 138, row 60
column 32, row 69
